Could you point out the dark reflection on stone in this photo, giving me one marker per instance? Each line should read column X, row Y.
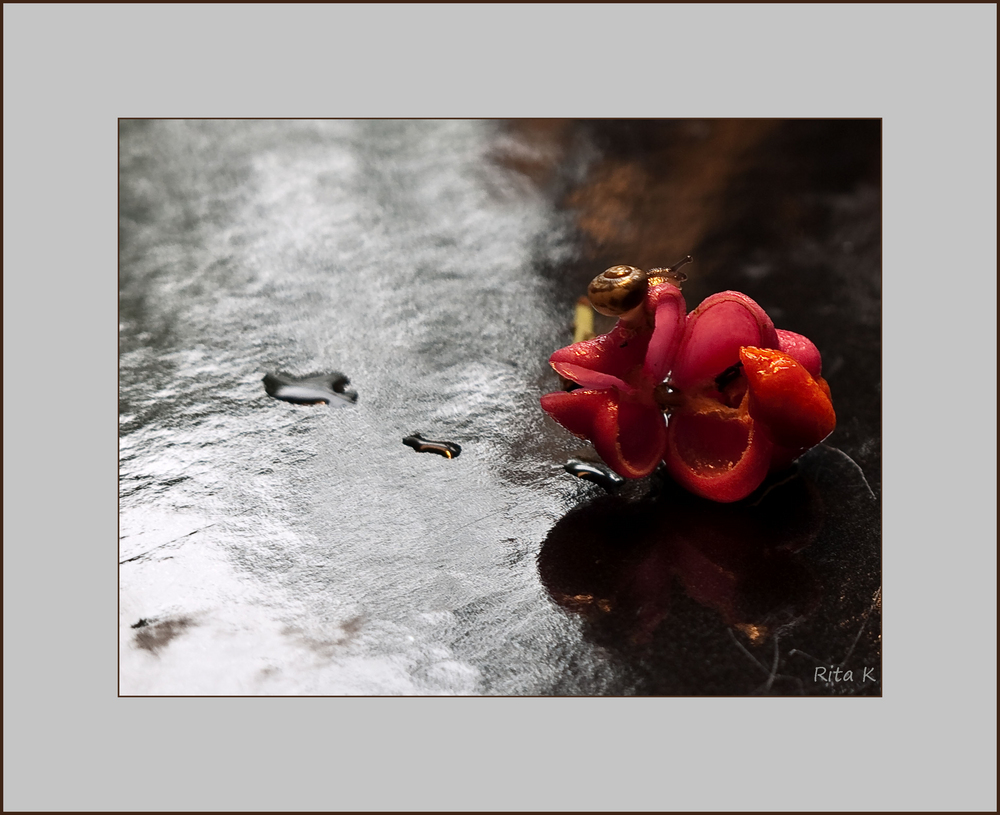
column 598, row 474
column 155, row 636
column 315, row 389
column 618, row 562
column 448, row 449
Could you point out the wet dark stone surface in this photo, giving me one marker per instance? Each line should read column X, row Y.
column 309, row 552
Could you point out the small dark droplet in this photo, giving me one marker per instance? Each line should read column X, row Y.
column 448, row 449
column 142, row 622
column 567, row 384
column 605, row 478
column 728, row 376
column 316, row 389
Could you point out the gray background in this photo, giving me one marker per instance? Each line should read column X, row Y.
column 59, row 672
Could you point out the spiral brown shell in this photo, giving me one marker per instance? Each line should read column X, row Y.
column 618, row 290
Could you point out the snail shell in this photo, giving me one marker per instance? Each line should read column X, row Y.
column 618, row 290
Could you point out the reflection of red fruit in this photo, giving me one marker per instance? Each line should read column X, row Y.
column 706, row 581
column 617, row 563
column 795, row 407
column 645, row 590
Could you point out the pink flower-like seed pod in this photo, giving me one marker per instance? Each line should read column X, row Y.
column 719, row 441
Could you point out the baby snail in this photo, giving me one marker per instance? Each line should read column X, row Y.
column 621, row 288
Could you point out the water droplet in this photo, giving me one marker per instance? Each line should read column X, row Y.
column 315, row 389
column 448, row 449
column 608, row 479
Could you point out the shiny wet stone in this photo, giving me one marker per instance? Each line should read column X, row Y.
column 439, row 263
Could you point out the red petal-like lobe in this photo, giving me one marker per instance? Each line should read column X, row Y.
column 802, row 350
column 578, row 410
column 796, row 408
column 717, row 455
column 715, row 332
column 605, row 361
column 632, row 439
column 666, row 303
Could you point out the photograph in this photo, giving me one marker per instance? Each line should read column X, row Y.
column 500, row 407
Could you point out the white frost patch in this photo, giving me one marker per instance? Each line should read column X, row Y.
column 208, row 631
column 143, row 529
